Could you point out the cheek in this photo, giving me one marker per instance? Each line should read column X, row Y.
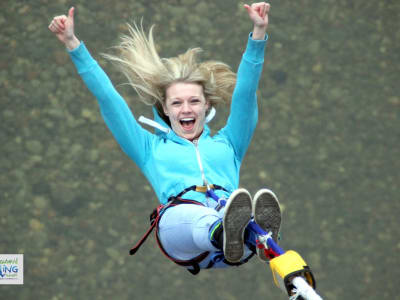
column 204, row 111
column 172, row 115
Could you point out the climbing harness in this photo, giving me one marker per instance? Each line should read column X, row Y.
column 192, row 264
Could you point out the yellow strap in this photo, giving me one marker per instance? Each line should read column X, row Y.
column 203, row 188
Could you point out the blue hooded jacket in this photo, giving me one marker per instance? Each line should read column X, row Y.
column 170, row 162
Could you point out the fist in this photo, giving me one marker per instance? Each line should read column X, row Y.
column 258, row 13
column 63, row 26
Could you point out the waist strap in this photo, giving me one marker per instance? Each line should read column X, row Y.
column 200, row 189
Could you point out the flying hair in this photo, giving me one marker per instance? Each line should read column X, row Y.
column 150, row 75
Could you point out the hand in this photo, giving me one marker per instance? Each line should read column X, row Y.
column 258, row 13
column 63, row 27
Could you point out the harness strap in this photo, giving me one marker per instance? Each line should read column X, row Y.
column 154, row 221
column 194, row 262
column 155, row 218
column 199, row 188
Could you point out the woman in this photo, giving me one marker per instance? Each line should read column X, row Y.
column 181, row 158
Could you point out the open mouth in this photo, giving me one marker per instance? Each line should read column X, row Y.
column 187, row 123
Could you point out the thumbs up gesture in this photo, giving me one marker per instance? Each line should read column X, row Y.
column 258, row 13
column 63, row 27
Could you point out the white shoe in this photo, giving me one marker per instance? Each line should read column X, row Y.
column 236, row 217
column 267, row 214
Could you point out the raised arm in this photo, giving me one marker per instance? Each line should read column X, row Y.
column 132, row 138
column 244, row 112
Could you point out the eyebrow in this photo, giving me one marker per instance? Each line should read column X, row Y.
column 190, row 98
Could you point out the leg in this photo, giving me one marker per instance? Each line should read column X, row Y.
column 187, row 230
column 184, row 230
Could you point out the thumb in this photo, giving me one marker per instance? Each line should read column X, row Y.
column 71, row 13
column 249, row 9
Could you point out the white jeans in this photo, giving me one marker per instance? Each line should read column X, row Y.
column 184, row 232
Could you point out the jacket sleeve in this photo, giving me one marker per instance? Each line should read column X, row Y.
column 133, row 139
column 244, row 111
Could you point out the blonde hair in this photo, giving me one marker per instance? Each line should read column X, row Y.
column 151, row 75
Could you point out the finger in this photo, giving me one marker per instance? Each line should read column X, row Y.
column 266, row 9
column 60, row 20
column 267, row 6
column 60, row 17
column 263, row 10
column 59, row 23
column 258, row 9
column 250, row 10
column 71, row 13
column 51, row 27
column 55, row 28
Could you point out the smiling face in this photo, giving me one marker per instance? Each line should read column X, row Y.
column 186, row 108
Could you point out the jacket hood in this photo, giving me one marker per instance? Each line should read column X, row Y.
column 157, row 118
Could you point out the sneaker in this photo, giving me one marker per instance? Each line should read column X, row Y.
column 237, row 216
column 267, row 214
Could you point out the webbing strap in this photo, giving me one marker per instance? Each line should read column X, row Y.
column 199, row 188
column 194, row 262
column 154, row 217
column 154, row 220
column 141, row 241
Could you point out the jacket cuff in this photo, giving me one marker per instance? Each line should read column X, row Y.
column 81, row 58
column 255, row 49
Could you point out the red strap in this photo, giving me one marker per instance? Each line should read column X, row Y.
column 185, row 263
column 154, row 224
column 267, row 251
column 146, row 235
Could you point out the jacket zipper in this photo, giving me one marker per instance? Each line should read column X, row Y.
column 203, row 176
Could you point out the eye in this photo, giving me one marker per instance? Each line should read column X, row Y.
column 176, row 103
column 195, row 101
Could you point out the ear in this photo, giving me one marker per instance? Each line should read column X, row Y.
column 165, row 109
column 208, row 106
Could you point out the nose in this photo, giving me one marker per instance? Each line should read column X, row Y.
column 186, row 107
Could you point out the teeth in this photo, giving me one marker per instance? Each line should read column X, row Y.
column 187, row 119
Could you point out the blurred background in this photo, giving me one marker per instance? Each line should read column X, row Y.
column 327, row 143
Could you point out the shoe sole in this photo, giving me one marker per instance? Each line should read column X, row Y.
column 267, row 214
column 237, row 216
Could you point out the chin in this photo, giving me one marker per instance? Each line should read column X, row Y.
column 189, row 137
